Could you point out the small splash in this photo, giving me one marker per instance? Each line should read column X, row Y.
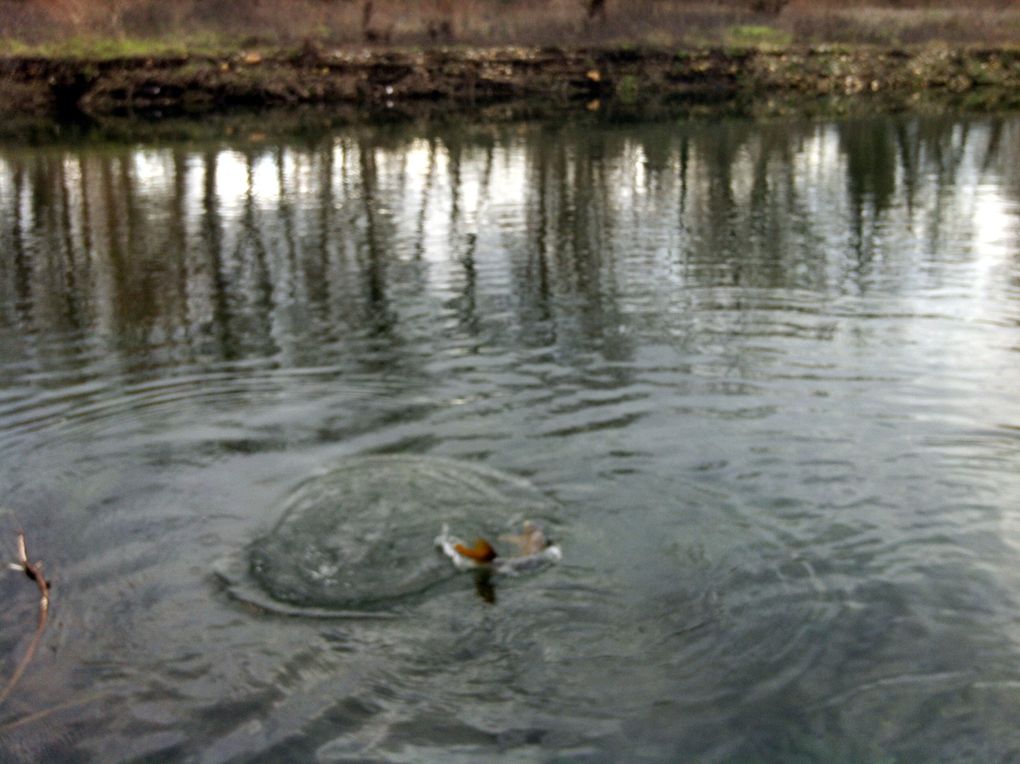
column 531, row 551
column 355, row 540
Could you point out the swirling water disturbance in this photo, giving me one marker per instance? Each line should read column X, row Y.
column 359, row 537
column 760, row 380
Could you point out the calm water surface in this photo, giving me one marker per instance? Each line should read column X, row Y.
column 768, row 372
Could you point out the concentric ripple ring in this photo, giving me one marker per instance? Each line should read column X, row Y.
column 358, row 538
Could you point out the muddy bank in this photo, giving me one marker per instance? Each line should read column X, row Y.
column 415, row 83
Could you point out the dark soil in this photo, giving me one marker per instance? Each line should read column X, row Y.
column 411, row 83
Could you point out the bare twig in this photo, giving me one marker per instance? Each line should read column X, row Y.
column 8, row 727
column 34, row 571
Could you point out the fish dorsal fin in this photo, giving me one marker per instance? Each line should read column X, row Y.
column 482, row 551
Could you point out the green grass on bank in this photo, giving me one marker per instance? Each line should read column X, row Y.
column 651, row 24
column 757, row 36
column 102, row 48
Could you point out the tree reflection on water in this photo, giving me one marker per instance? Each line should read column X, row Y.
column 257, row 250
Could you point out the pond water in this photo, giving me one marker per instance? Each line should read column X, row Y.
column 766, row 376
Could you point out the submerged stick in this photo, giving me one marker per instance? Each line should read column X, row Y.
column 37, row 715
column 35, row 573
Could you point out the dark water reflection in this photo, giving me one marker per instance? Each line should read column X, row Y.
column 768, row 370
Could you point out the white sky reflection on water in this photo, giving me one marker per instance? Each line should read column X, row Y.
column 419, row 179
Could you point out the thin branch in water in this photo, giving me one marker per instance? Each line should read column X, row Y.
column 35, row 573
column 9, row 727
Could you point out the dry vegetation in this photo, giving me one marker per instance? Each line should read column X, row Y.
column 134, row 25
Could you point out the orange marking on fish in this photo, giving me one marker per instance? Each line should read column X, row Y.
column 482, row 551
